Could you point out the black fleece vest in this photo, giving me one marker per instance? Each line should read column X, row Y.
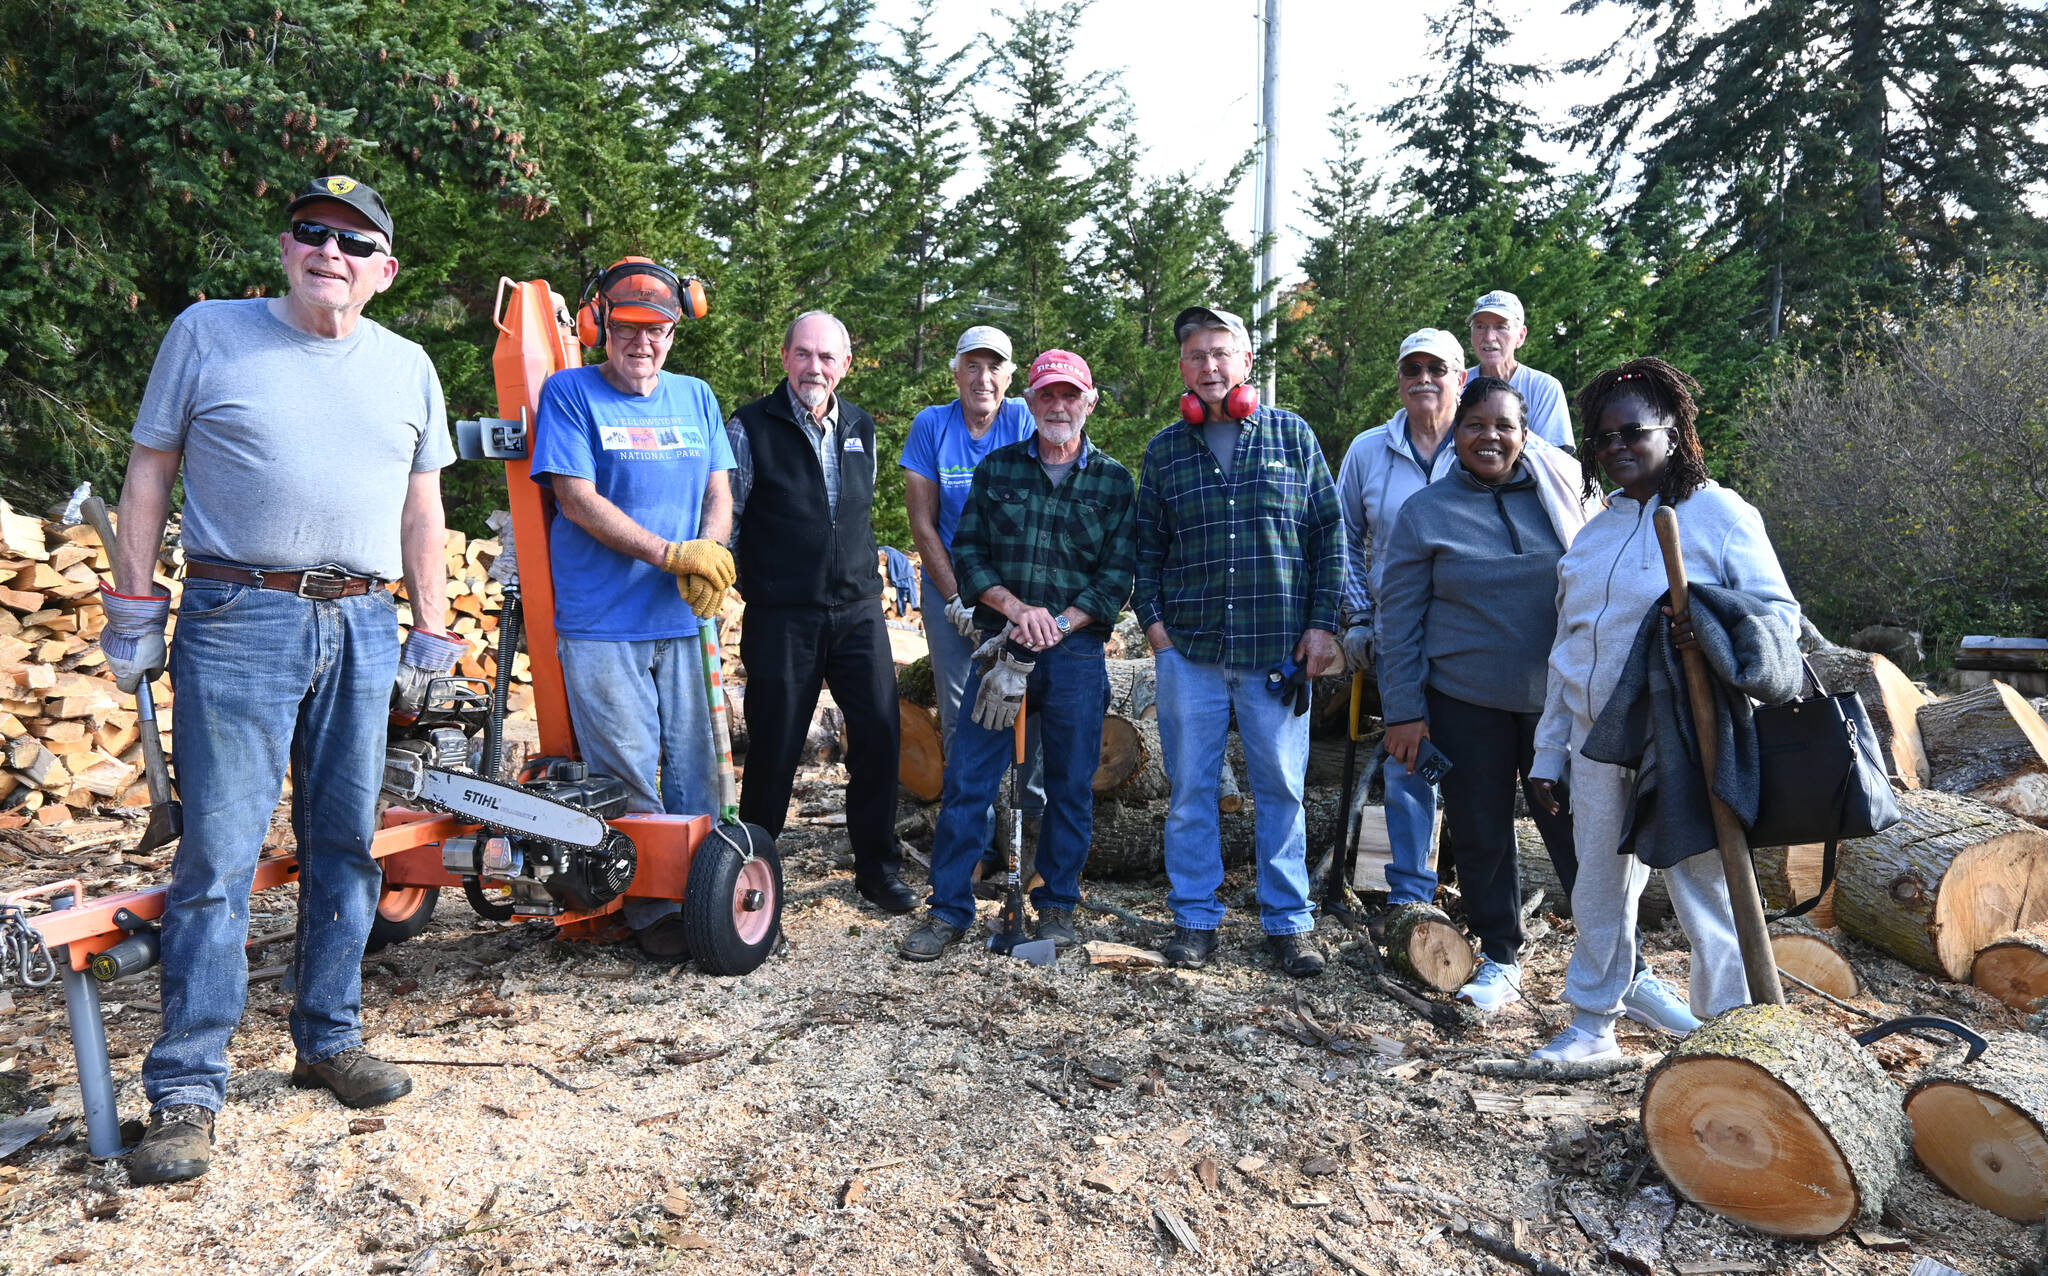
column 793, row 550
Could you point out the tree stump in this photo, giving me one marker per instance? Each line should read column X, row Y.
column 1789, row 875
column 1133, row 686
column 1804, row 950
column 1426, row 945
column 1891, row 700
column 2014, row 969
column 921, row 763
column 1777, row 1121
column 1982, row 1130
column 1991, row 744
column 1951, row 876
column 1532, row 859
column 1133, row 765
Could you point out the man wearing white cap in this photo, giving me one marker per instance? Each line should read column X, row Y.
column 1385, row 466
column 946, row 442
column 1499, row 328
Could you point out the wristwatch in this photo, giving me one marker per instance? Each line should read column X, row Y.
column 1063, row 625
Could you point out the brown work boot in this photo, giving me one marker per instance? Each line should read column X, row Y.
column 356, row 1078
column 179, row 1146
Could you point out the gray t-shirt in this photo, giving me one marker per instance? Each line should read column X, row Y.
column 1221, row 436
column 298, row 449
column 1057, row 471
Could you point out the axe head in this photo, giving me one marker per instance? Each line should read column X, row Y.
column 166, row 824
column 1015, row 943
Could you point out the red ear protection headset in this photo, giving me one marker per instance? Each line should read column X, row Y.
column 1238, row 405
column 597, row 300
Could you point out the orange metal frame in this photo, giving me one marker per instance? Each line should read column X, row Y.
column 531, row 347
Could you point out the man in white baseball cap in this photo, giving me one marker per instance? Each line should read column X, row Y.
column 1499, row 327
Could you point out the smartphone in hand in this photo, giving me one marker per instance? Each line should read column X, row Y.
column 1430, row 763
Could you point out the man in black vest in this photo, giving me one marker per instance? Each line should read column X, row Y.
column 803, row 487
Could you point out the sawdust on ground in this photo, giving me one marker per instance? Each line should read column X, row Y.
column 840, row 1110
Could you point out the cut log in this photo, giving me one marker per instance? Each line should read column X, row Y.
column 1133, row 687
column 1891, row 700
column 1804, row 950
column 1532, row 859
column 2014, row 969
column 1778, row 1121
column 1951, row 876
column 1129, row 841
column 1789, row 875
column 914, row 684
column 1425, row 944
column 921, row 765
column 1991, row 744
column 1982, row 1130
column 1133, row 765
column 1229, row 797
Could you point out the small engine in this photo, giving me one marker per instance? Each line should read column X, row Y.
column 546, row 877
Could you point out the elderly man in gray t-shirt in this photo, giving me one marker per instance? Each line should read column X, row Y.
column 311, row 441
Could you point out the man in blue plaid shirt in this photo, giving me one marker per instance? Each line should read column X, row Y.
column 1240, row 574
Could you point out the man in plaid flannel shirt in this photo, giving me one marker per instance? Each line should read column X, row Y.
column 1044, row 550
column 1240, row 573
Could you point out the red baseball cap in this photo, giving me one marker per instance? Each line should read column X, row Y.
column 1060, row 365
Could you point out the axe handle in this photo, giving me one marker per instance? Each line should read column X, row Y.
column 159, row 772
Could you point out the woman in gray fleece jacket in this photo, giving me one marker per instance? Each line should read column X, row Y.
column 1467, row 606
column 1639, row 423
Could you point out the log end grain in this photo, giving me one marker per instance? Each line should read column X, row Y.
column 2014, row 970
column 1425, row 943
column 1812, row 956
column 921, row 764
column 1776, row 1121
column 1982, row 1131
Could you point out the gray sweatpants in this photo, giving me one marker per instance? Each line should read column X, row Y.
column 1604, row 905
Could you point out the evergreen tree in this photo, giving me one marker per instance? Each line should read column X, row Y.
column 1464, row 119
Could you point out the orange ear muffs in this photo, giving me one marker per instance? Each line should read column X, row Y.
column 1238, row 405
column 590, row 326
column 596, row 308
column 695, row 304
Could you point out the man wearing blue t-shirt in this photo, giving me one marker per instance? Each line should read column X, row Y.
column 637, row 458
column 1499, row 328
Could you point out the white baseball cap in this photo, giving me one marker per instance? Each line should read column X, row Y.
column 985, row 336
column 1436, row 341
column 1500, row 302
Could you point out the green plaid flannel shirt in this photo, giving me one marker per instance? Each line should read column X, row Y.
column 1238, row 568
column 1054, row 548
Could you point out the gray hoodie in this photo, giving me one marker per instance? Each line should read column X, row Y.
column 1609, row 578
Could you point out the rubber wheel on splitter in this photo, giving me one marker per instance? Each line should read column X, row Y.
column 402, row 912
column 732, row 906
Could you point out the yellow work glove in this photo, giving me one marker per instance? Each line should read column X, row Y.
column 703, row 597
column 706, row 558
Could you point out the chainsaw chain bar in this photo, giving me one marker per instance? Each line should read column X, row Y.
column 428, row 803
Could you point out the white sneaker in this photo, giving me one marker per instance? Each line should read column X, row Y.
column 1576, row 1045
column 1494, row 986
column 1649, row 1000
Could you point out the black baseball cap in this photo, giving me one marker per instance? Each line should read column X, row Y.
column 346, row 190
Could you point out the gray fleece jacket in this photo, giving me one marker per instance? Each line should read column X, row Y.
column 1468, row 593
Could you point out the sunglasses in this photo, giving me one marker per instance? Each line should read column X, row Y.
column 1628, row 436
column 352, row 243
column 1416, row 368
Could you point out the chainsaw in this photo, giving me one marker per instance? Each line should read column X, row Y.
column 545, row 838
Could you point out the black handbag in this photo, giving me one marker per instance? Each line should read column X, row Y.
column 1823, row 777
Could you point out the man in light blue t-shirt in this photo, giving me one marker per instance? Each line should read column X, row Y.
column 637, row 458
column 946, row 442
column 1499, row 327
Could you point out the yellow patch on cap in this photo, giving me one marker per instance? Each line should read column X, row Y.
column 340, row 185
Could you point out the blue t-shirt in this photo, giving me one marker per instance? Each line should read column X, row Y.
column 941, row 449
column 651, row 457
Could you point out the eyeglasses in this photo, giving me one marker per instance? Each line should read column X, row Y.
column 352, row 243
column 1628, row 436
column 1434, row 368
column 1204, row 358
column 656, row 332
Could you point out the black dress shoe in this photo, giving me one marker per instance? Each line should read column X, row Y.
column 887, row 893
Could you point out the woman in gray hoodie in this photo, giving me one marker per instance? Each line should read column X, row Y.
column 1639, row 423
column 1467, row 606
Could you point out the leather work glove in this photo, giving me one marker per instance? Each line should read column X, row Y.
column 706, row 558
column 134, row 637
column 424, row 657
column 1358, row 648
column 1002, row 686
column 703, row 597
column 961, row 616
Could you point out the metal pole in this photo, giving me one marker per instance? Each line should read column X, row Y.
column 1269, row 115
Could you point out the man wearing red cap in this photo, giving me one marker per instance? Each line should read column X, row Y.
column 1044, row 549
column 637, row 458
column 311, row 441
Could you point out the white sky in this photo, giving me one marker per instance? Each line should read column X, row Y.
column 1167, row 49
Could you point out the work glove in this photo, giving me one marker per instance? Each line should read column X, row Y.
column 961, row 616
column 706, row 558
column 1002, row 682
column 424, row 657
column 1358, row 648
column 703, row 597
column 134, row 637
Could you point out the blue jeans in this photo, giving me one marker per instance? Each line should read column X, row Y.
column 1411, row 826
column 1194, row 724
column 266, row 680
column 641, row 715
column 952, row 661
column 1069, row 694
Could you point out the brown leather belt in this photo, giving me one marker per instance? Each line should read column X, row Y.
column 316, row 582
